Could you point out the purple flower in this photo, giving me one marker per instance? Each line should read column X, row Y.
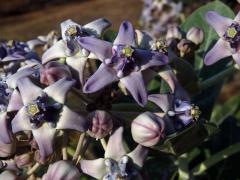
column 44, row 112
column 69, row 48
column 116, row 162
column 229, row 42
column 121, row 61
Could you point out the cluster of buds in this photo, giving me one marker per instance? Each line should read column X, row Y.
column 51, row 100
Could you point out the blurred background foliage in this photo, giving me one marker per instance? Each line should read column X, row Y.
column 217, row 157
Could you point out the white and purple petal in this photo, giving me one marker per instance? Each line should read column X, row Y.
column 95, row 168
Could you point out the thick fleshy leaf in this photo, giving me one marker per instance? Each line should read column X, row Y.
column 102, row 49
column 101, row 78
column 59, row 89
column 236, row 57
column 56, row 51
column 97, row 27
column 115, row 148
column 218, row 22
column 138, row 155
column 135, row 85
column 5, row 133
column 28, row 90
column 15, row 102
column 71, row 120
column 77, row 63
column 164, row 101
column 126, row 34
column 13, row 79
column 65, row 25
column 219, row 51
column 94, row 168
column 21, row 121
column 44, row 136
column 150, row 59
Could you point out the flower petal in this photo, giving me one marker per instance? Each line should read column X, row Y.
column 218, row 22
column 65, row 25
column 126, row 34
column 113, row 151
column 164, row 101
column 150, row 58
column 94, row 168
column 71, row 120
column 101, row 78
column 34, row 42
column 78, row 64
column 219, row 51
column 9, row 175
column 44, row 136
column 13, row 57
column 135, row 85
column 236, row 57
column 102, row 49
column 7, row 150
column 15, row 102
column 97, row 27
column 28, row 90
column 237, row 18
column 5, row 133
column 21, row 121
column 168, row 76
column 59, row 89
column 143, row 39
column 138, row 155
column 54, row 52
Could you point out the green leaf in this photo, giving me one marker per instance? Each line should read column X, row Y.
column 110, row 35
column 197, row 19
column 221, row 112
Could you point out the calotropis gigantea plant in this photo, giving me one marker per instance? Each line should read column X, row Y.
column 138, row 109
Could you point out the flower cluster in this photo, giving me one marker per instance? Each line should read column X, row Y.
column 75, row 89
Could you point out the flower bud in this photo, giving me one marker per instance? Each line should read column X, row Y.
column 101, row 124
column 23, row 160
column 61, row 170
column 147, row 129
column 195, row 35
column 173, row 32
column 185, row 47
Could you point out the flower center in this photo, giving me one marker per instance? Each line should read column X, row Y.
column 160, row 46
column 41, row 110
column 72, row 31
column 232, row 35
column 127, row 51
column 195, row 112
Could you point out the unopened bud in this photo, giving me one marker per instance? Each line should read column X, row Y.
column 62, row 170
column 148, row 129
column 195, row 35
column 173, row 32
column 101, row 124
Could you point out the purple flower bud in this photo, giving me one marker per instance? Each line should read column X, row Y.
column 195, row 35
column 147, row 129
column 173, row 32
column 101, row 124
column 62, row 170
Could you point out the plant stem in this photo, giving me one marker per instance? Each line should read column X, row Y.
column 83, row 150
column 217, row 78
column 33, row 169
column 79, row 146
column 104, row 143
column 64, row 146
column 214, row 159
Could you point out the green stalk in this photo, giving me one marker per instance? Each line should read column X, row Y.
column 214, row 159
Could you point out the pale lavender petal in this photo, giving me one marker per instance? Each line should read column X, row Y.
column 77, row 63
column 56, row 51
column 13, row 57
column 164, row 101
column 218, row 22
column 21, row 121
column 97, row 27
column 7, row 150
column 5, row 133
column 15, row 102
column 135, row 85
column 102, row 49
column 236, row 57
column 115, row 148
column 143, row 39
column 219, row 51
column 8, row 175
column 94, row 168
column 71, row 120
column 185, row 119
column 44, row 136
column 237, row 18
column 59, row 89
column 28, row 90
column 34, row 42
column 65, row 25
column 138, row 155
column 101, row 78
column 168, row 76
column 126, row 34
column 150, row 58
column 12, row 80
